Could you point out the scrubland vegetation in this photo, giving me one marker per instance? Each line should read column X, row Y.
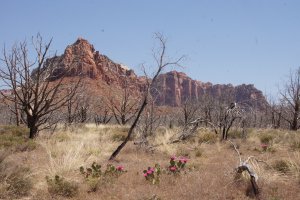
column 72, row 163
column 208, row 148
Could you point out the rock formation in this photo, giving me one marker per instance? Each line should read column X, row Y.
column 172, row 88
column 176, row 87
column 81, row 59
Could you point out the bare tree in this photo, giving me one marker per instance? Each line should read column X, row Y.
column 189, row 109
column 291, row 99
column 29, row 82
column 103, row 118
column 160, row 58
column 231, row 115
column 102, row 114
column 148, row 123
column 123, row 106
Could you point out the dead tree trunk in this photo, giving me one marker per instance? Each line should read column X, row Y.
column 161, row 63
column 244, row 166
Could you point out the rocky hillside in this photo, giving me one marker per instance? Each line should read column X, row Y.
column 81, row 59
column 175, row 87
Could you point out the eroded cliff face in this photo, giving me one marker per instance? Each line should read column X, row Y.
column 176, row 87
column 81, row 59
column 172, row 88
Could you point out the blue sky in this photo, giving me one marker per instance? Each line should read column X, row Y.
column 225, row 41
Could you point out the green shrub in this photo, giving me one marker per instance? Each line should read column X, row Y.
column 94, row 175
column 59, row 186
column 152, row 174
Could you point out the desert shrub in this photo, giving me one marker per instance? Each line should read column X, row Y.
column 19, row 185
column 198, row 152
column 177, row 164
column 93, row 171
column 117, row 133
column 281, row 166
column 58, row 186
column 266, row 138
column 152, row 174
column 94, row 176
column 118, row 137
column 209, row 138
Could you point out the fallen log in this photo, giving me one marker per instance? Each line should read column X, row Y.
column 245, row 166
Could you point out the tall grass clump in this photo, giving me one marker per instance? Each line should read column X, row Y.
column 207, row 137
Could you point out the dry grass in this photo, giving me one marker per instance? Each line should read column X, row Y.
column 210, row 172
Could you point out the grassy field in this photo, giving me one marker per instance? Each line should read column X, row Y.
column 48, row 167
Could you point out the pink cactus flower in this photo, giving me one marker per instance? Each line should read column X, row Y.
column 145, row 175
column 173, row 169
column 120, row 168
column 173, row 157
column 184, row 160
column 149, row 172
column 264, row 145
column 152, row 169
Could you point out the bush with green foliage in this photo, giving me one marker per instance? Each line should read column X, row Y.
column 94, row 175
column 152, row 174
column 177, row 164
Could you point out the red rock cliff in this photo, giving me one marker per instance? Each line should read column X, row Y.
column 81, row 59
column 173, row 88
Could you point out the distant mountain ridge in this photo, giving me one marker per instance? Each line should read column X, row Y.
column 173, row 88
